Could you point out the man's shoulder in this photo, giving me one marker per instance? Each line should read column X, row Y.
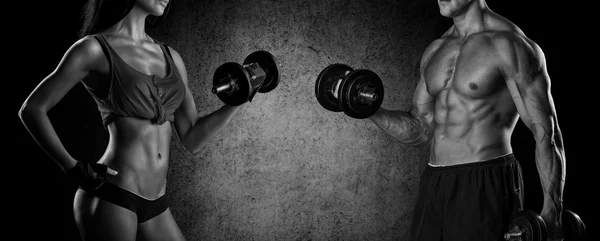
column 503, row 31
column 505, row 37
column 496, row 22
column 512, row 41
column 510, row 45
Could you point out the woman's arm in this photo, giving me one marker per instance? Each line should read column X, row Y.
column 195, row 130
column 77, row 62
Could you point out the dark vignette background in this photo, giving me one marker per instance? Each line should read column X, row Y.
column 40, row 198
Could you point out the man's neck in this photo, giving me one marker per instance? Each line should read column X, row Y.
column 471, row 20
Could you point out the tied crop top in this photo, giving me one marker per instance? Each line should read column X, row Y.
column 135, row 94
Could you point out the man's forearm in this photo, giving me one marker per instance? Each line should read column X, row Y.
column 403, row 126
column 550, row 159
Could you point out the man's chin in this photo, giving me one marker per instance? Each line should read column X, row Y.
column 445, row 14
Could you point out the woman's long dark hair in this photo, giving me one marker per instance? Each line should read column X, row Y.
column 100, row 14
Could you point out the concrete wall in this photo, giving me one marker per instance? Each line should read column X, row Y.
column 285, row 168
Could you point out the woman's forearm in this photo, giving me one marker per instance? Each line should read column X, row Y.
column 38, row 124
column 208, row 126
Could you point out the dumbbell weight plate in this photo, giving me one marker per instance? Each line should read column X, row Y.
column 239, row 94
column 269, row 64
column 326, row 81
column 349, row 99
column 531, row 224
column 573, row 226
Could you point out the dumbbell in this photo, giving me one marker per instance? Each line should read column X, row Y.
column 356, row 92
column 236, row 83
column 527, row 225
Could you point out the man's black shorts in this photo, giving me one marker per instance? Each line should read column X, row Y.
column 465, row 202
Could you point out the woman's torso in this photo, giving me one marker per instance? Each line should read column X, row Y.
column 137, row 88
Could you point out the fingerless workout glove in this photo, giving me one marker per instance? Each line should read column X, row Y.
column 89, row 176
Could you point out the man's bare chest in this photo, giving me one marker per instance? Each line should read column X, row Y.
column 470, row 68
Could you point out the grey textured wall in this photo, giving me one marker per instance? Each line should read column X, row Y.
column 285, row 168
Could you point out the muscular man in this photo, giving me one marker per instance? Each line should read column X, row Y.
column 476, row 80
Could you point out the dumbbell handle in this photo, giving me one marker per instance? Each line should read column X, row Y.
column 255, row 71
column 224, row 87
column 508, row 236
column 368, row 95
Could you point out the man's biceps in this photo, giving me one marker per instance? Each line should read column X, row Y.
column 537, row 95
column 422, row 110
column 536, row 111
column 535, row 78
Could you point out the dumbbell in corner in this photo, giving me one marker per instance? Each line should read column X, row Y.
column 528, row 225
column 358, row 93
column 235, row 83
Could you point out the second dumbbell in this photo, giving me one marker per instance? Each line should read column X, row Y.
column 527, row 225
column 358, row 93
